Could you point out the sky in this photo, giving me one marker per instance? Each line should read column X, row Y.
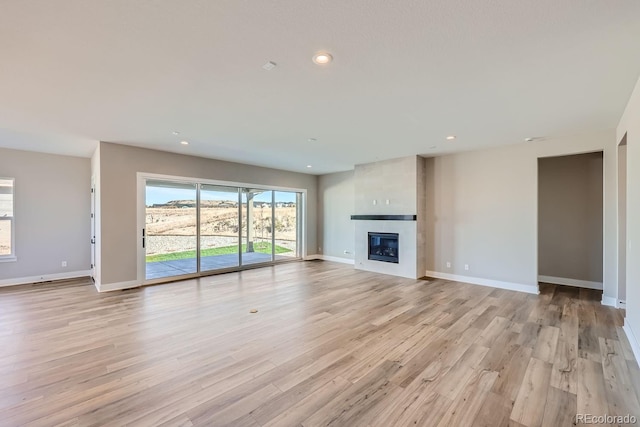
column 159, row 195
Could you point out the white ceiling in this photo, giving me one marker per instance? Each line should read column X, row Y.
column 405, row 75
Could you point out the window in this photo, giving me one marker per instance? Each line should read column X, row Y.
column 7, row 228
column 202, row 228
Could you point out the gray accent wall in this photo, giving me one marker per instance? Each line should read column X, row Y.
column 570, row 218
column 52, row 208
column 119, row 165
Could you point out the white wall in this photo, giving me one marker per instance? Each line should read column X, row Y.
column 630, row 124
column 570, row 219
column 482, row 209
column 52, row 205
column 336, row 230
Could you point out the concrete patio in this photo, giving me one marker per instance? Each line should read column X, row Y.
column 161, row 269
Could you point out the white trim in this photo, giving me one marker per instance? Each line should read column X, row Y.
column 632, row 339
column 570, row 282
column 520, row 287
column 118, row 286
column 621, row 304
column 12, row 257
column 610, row 301
column 140, row 225
column 330, row 258
column 44, row 278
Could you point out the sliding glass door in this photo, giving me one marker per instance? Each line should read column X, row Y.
column 256, row 226
column 285, row 224
column 171, row 224
column 219, row 227
column 193, row 228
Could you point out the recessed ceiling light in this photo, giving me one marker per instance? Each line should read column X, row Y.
column 184, row 142
column 322, row 58
column 451, row 137
column 175, row 132
column 308, row 166
column 269, row 66
column 528, row 139
column 312, row 139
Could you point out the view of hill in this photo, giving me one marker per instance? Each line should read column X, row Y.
column 172, row 226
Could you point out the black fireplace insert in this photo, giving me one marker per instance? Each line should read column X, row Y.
column 384, row 247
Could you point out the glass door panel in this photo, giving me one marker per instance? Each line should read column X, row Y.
column 286, row 225
column 171, row 241
column 256, row 226
column 219, row 227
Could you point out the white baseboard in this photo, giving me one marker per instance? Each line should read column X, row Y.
column 330, row 258
column 520, row 287
column 621, row 304
column 118, row 286
column 570, row 282
column 610, row 301
column 632, row 339
column 44, row 278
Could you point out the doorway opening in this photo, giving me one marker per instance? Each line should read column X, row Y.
column 571, row 220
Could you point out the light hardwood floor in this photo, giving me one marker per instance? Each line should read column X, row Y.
column 329, row 346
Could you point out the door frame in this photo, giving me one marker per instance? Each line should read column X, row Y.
column 93, row 228
column 622, row 222
column 141, row 179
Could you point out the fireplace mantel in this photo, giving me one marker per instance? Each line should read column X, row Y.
column 384, row 217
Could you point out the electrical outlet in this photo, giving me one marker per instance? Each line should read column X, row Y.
column 64, row 263
column 319, row 249
column 466, row 266
column 448, row 264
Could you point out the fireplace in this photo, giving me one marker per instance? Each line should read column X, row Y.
column 383, row 247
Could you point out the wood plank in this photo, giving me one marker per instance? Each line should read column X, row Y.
column 545, row 348
column 592, row 392
column 464, row 409
column 528, row 408
column 560, row 408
